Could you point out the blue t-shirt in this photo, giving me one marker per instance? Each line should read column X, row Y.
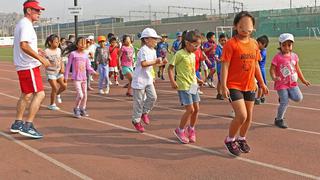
column 263, row 53
column 176, row 45
column 219, row 51
column 162, row 49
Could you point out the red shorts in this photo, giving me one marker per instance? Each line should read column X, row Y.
column 30, row 80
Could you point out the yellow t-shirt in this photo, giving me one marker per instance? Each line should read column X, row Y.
column 184, row 63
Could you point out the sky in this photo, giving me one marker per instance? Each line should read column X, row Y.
column 99, row 8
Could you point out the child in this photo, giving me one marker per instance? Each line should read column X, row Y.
column 176, row 45
column 142, row 81
column 263, row 42
column 55, row 71
column 218, row 54
column 186, row 84
column 285, row 71
column 80, row 67
column 113, row 63
column 125, row 55
column 199, row 57
column 240, row 67
column 102, row 61
column 162, row 51
column 209, row 48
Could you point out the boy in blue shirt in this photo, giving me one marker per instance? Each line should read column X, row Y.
column 162, row 51
column 263, row 42
column 176, row 45
column 218, row 54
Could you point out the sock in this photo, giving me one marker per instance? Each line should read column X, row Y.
column 191, row 127
column 54, row 104
column 241, row 138
column 229, row 139
column 58, row 96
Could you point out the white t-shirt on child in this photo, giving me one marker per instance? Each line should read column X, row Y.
column 24, row 32
column 142, row 76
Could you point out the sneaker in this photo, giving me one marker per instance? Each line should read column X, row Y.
column 232, row 147
column 16, row 126
column 53, row 107
column 129, row 94
column 117, row 83
column 200, row 92
column 138, row 127
column 59, row 100
column 263, row 100
column 243, row 146
column 106, row 90
column 101, row 91
column 110, row 83
column 257, row 101
column 280, row 123
column 76, row 113
column 181, row 136
column 206, row 84
column 145, row 119
column 84, row 113
column 30, row 131
column 220, row 97
column 91, row 78
column 191, row 134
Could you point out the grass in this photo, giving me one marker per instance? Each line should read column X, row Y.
column 305, row 48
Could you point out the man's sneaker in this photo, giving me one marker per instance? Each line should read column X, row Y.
column 16, row 126
column 101, row 91
column 243, row 146
column 117, row 83
column 232, row 147
column 106, row 90
column 220, row 97
column 191, row 134
column 138, row 127
column 29, row 130
column 84, row 113
column 280, row 123
column 145, row 119
column 76, row 113
column 263, row 100
column 59, row 100
column 181, row 136
column 257, row 101
column 53, row 107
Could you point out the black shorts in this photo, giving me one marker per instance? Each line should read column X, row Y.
column 237, row 95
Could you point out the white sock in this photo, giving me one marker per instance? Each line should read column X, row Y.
column 191, row 127
column 58, row 96
column 241, row 138
column 229, row 139
column 54, row 104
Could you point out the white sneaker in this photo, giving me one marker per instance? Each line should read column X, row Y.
column 53, row 107
column 110, row 83
column 101, row 91
column 59, row 100
column 106, row 90
column 117, row 83
column 91, row 78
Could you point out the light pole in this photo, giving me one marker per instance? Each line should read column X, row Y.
column 76, row 21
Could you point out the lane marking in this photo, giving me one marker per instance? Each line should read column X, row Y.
column 203, row 149
column 44, row 156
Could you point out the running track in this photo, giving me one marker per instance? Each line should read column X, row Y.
column 105, row 146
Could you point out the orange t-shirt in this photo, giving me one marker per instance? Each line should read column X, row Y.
column 242, row 58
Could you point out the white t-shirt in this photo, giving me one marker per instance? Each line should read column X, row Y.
column 54, row 57
column 142, row 76
column 24, row 32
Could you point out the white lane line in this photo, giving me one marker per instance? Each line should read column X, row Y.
column 272, row 104
column 179, row 110
column 44, row 156
column 203, row 149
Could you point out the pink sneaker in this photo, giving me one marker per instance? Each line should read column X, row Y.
column 181, row 136
column 145, row 119
column 138, row 127
column 191, row 134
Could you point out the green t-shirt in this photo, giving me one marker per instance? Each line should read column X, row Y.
column 184, row 63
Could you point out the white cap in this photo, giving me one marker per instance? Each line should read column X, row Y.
column 90, row 37
column 286, row 37
column 149, row 32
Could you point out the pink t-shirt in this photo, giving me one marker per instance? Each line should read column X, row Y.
column 285, row 69
column 127, row 56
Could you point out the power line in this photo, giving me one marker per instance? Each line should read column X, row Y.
column 193, row 9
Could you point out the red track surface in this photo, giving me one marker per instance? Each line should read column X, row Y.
column 105, row 146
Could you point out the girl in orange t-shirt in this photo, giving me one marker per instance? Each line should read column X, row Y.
column 240, row 67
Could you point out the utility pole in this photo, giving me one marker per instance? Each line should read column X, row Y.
column 150, row 12
column 290, row 4
column 219, row 7
column 211, row 6
column 76, row 21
